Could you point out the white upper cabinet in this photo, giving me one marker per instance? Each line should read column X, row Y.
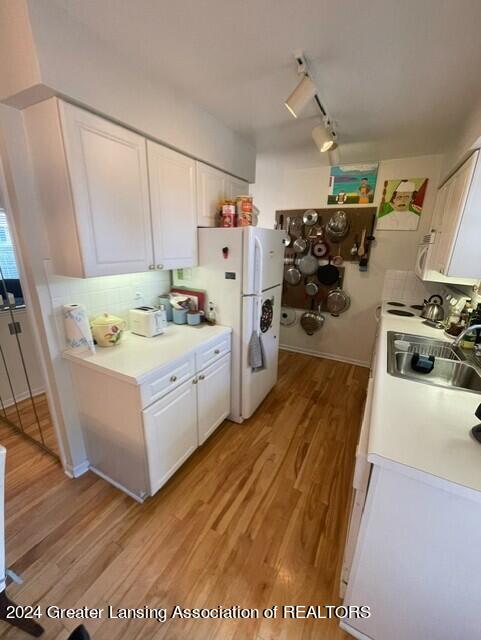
column 211, row 191
column 214, row 186
column 236, row 187
column 173, row 200
column 92, row 179
column 457, row 222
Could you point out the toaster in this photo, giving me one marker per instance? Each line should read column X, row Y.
column 146, row 321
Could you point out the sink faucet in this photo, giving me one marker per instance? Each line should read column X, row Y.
column 473, row 327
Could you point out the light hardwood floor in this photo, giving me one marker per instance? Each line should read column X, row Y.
column 256, row 517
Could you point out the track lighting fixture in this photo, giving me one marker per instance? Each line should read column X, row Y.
column 323, row 138
column 301, row 96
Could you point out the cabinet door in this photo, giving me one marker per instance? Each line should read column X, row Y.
column 236, row 187
column 170, row 427
column 437, row 227
column 211, row 191
column 173, row 201
column 213, row 395
column 108, row 175
column 458, row 188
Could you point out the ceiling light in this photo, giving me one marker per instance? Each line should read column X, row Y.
column 323, row 139
column 302, row 94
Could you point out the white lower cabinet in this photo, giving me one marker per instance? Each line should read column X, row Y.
column 170, row 427
column 213, row 397
column 138, row 432
column 178, row 423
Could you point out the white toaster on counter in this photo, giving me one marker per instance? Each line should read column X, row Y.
column 146, row 321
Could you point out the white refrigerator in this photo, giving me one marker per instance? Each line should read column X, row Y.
column 242, row 269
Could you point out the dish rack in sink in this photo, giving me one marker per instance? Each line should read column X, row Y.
column 436, row 350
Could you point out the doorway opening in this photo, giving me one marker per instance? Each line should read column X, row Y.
column 23, row 401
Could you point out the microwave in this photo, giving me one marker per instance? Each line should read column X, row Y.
column 146, row 321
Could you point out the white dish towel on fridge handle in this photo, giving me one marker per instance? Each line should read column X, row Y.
column 256, row 353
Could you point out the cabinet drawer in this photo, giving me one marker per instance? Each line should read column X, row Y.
column 167, row 379
column 209, row 353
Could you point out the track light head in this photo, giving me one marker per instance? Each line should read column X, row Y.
column 302, row 94
column 323, row 139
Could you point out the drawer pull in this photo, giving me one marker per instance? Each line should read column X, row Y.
column 217, row 351
column 173, row 378
column 202, row 376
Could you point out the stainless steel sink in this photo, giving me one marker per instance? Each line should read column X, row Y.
column 452, row 367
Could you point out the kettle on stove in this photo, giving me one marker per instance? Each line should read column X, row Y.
column 433, row 310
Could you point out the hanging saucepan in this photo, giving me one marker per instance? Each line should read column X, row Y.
column 338, row 226
column 328, row 274
column 312, row 321
column 311, row 288
column 310, row 217
column 308, row 264
column 300, row 245
column 292, row 275
column 337, row 301
column 320, row 248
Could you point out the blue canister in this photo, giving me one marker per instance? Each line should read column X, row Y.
column 165, row 300
column 180, row 316
column 193, row 318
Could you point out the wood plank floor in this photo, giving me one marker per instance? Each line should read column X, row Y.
column 23, row 416
column 256, row 517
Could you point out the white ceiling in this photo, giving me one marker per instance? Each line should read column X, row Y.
column 397, row 76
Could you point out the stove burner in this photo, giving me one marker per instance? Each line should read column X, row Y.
column 397, row 304
column 399, row 312
column 418, row 307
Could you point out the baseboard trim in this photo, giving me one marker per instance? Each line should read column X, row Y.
column 78, row 470
column 9, row 402
column 117, row 485
column 328, row 356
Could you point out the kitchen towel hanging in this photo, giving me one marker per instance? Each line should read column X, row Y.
column 77, row 328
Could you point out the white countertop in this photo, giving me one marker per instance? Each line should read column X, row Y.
column 424, row 427
column 135, row 357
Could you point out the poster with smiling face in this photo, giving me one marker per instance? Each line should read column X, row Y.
column 402, row 204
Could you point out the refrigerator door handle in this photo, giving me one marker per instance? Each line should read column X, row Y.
column 258, row 265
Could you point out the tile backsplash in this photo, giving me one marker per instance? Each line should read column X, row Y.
column 112, row 294
column 405, row 286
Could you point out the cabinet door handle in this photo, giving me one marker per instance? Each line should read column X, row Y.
column 217, row 351
column 151, row 266
column 201, row 377
column 160, row 266
column 173, row 378
column 194, row 381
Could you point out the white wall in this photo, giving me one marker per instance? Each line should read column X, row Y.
column 52, row 54
column 350, row 337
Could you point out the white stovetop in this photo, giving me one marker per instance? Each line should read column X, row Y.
column 421, row 426
column 135, row 357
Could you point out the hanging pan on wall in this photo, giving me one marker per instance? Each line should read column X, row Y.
column 310, row 217
column 328, row 274
column 308, row 264
column 337, row 302
column 312, row 321
column 292, row 275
